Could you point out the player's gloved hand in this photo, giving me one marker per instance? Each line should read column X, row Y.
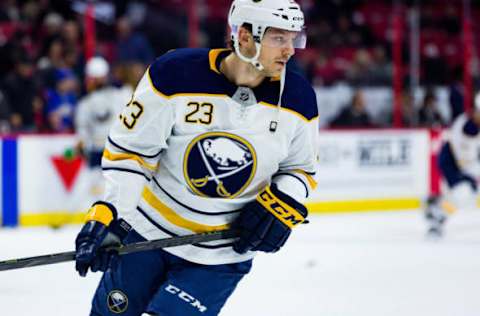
column 102, row 229
column 266, row 223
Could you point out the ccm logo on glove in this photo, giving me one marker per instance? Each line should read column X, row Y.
column 285, row 213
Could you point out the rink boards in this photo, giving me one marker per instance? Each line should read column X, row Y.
column 44, row 183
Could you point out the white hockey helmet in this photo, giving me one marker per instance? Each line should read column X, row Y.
column 97, row 67
column 262, row 14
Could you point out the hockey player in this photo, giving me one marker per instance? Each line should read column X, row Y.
column 94, row 116
column 211, row 139
column 459, row 163
column 98, row 109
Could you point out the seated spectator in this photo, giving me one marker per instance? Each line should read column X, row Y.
column 325, row 71
column 5, row 113
column 354, row 115
column 360, row 71
column 132, row 46
column 20, row 90
column 61, row 101
column 408, row 112
column 455, row 91
column 381, row 70
column 428, row 115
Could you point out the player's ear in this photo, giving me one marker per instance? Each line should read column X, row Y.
column 245, row 37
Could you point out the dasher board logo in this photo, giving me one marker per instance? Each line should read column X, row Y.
column 117, row 302
column 219, row 165
column 385, row 152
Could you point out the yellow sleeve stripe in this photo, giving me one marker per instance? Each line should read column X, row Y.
column 124, row 156
column 311, row 181
column 282, row 211
column 171, row 216
column 212, row 58
column 100, row 213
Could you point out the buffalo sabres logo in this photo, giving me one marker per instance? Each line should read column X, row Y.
column 117, row 302
column 219, row 165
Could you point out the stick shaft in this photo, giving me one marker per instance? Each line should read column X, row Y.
column 122, row 250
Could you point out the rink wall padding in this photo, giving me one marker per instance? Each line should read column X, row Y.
column 44, row 183
column 9, row 182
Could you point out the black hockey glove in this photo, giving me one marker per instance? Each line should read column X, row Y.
column 266, row 223
column 101, row 229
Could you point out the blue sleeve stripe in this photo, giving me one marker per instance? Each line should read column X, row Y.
column 296, row 177
column 131, row 151
column 9, row 183
column 171, row 234
column 190, row 208
column 125, row 170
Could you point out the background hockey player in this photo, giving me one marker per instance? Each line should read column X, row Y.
column 95, row 115
column 211, row 139
column 459, row 163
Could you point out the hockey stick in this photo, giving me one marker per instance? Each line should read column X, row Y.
column 122, row 250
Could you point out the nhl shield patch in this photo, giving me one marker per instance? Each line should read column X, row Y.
column 117, row 302
column 219, row 165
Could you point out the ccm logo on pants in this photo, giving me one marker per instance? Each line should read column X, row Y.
column 186, row 297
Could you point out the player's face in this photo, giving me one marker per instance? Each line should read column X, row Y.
column 277, row 48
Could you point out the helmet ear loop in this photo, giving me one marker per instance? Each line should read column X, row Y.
column 253, row 60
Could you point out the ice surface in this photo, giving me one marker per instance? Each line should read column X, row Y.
column 376, row 264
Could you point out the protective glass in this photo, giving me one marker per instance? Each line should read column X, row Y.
column 282, row 39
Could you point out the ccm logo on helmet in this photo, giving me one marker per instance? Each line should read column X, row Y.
column 184, row 296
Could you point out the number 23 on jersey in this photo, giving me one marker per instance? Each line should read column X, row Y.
column 130, row 115
column 199, row 113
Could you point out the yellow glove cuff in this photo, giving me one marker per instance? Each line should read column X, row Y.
column 100, row 213
column 281, row 210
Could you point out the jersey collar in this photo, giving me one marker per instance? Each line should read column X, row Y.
column 215, row 57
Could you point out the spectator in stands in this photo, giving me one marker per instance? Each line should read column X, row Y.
column 428, row 115
column 61, row 101
column 73, row 50
column 5, row 113
column 434, row 65
column 381, row 68
column 455, row 96
column 20, row 89
column 346, row 33
column 409, row 111
column 132, row 46
column 50, row 31
column 50, row 63
column 325, row 71
column 409, row 115
column 354, row 115
column 9, row 11
column 360, row 71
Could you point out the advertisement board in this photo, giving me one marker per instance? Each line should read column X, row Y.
column 370, row 166
column 44, row 182
column 53, row 180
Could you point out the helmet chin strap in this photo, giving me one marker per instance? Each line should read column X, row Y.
column 254, row 60
column 256, row 63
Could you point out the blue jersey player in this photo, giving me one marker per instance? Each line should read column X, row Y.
column 211, row 139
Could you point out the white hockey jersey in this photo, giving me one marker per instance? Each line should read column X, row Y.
column 191, row 149
column 96, row 113
column 464, row 139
